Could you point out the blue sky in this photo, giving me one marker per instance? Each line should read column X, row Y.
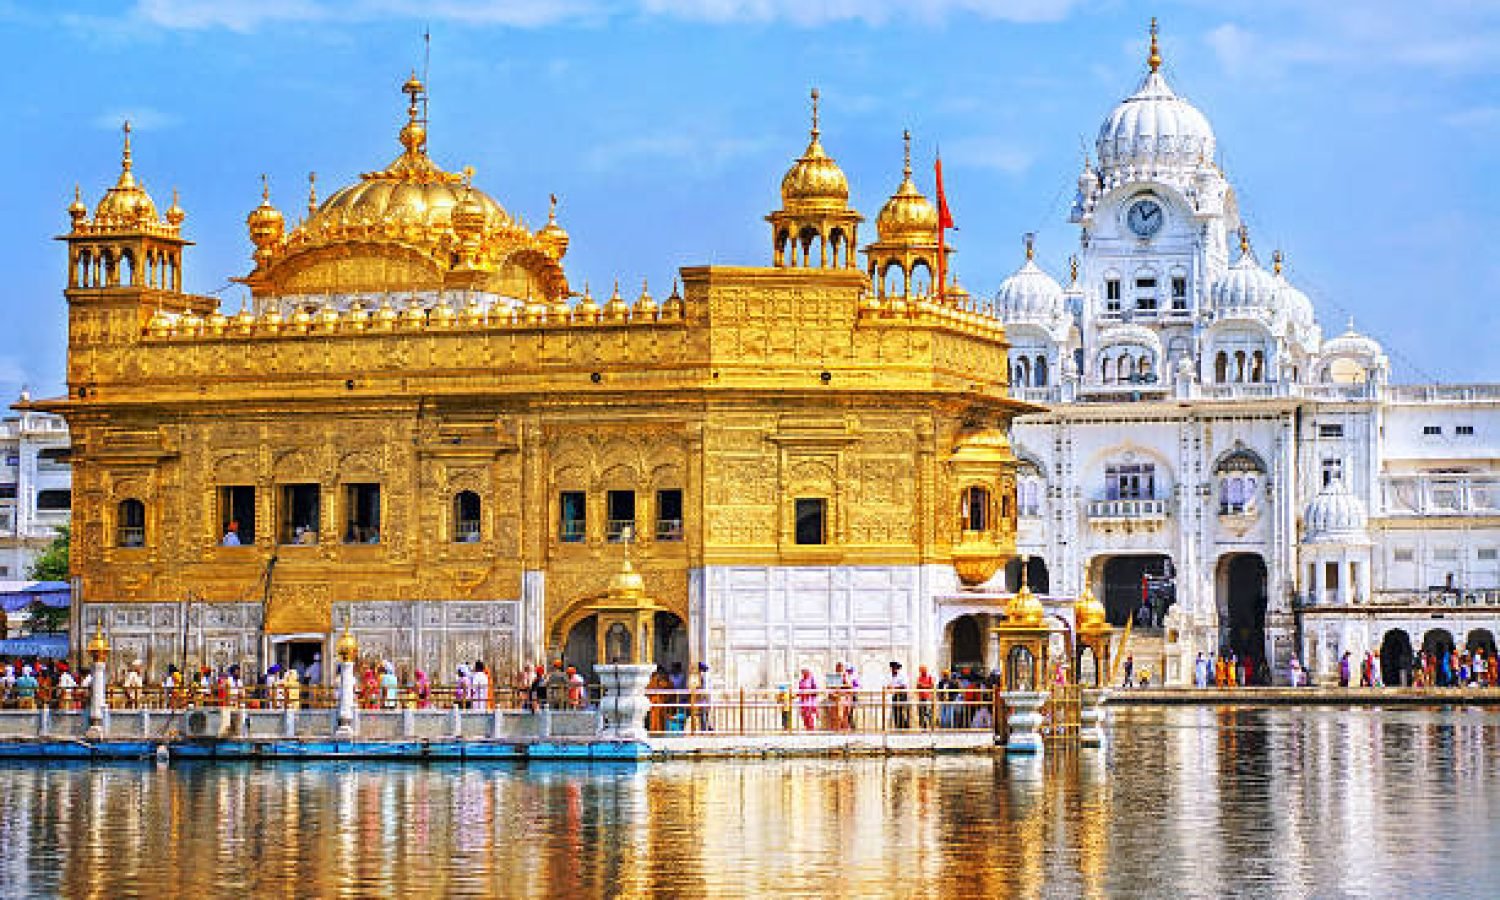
column 1359, row 136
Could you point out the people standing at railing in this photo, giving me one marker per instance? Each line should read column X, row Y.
column 702, row 700
column 897, row 687
column 479, row 686
column 807, row 699
column 679, row 710
column 1129, row 668
column 291, row 689
column 422, row 689
column 851, row 708
column 578, row 689
column 66, row 688
column 26, row 688
column 656, row 690
column 947, row 695
column 132, row 684
column 925, row 687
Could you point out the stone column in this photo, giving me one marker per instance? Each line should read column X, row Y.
column 98, row 682
column 348, row 651
column 1025, row 721
column 1091, row 717
column 625, row 703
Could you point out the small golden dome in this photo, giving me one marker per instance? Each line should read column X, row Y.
column 347, row 648
column 627, row 584
column 1024, row 610
column 161, row 324
column 672, row 307
column 386, row 315
column 244, row 320
column 216, row 323
column 99, row 644
column 552, row 235
column 908, row 217
column 271, row 320
column 266, row 223
column 645, row 304
column 473, row 313
column 588, row 309
column 616, row 309
column 442, row 316
column 559, row 311
column 1088, row 612
column 469, row 215
column 414, row 316
column 78, row 211
column 190, row 324
column 175, row 213
column 359, row 317
column 302, row 319
column 814, row 183
column 328, row 319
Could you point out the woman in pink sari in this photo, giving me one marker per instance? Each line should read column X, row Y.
column 423, row 690
column 807, row 699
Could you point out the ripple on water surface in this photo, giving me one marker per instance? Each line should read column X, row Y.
column 1185, row 801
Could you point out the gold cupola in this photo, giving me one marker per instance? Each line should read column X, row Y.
column 815, row 227
column 78, row 211
column 126, row 205
column 266, row 223
column 906, row 239
column 552, row 236
column 411, row 227
column 588, row 308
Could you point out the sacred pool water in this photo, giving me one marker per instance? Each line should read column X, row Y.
column 1185, row 802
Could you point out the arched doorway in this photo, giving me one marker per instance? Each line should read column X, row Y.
column 1395, row 658
column 1481, row 639
column 581, row 648
column 966, row 644
column 1438, row 645
column 1242, row 580
column 1129, row 581
column 1037, row 576
column 670, row 645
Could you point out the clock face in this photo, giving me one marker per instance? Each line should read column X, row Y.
column 1145, row 218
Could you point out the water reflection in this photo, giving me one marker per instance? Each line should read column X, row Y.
column 1207, row 802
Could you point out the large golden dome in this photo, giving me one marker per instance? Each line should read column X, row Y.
column 814, row 182
column 409, row 227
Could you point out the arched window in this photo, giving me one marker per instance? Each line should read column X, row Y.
column 130, row 525
column 1258, row 366
column 1239, row 366
column 1041, row 371
column 975, row 509
column 1241, row 474
column 1023, row 366
column 466, row 527
column 1221, row 367
column 1107, row 370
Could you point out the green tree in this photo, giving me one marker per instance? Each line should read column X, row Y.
column 52, row 564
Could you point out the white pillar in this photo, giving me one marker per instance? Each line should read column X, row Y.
column 98, row 684
column 345, row 701
column 1343, row 570
column 1317, row 581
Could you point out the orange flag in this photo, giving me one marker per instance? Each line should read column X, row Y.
column 945, row 221
column 945, row 218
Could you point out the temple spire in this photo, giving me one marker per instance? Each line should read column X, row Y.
column 906, row 154
column 815, row 130
column 1154, row 60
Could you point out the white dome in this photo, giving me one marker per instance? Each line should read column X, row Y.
column 1351, row 343
column 1154, row 129
column 1297, row 305
column 1335, row 515
column 1245, row 290
column 1030, row 295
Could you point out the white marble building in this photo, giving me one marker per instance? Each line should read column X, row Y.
column 1202, row 428
column 35, row 488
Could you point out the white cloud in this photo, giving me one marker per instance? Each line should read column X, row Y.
column 874, row 12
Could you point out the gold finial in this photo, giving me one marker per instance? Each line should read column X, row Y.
column 1029, row 239
column 1025, row 578
column 312, row 192
column 551, row 209
column 1244, row 240
column 265, row 188
column 1073, row 267
column 815, row 96
column 1276, row 260
column 1154, row 60
column 906, row 158
column 125, row 155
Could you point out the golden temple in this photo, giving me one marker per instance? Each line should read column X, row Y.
column 418, row 429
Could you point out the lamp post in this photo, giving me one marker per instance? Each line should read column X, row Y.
column 348, row 653
column 98, row 684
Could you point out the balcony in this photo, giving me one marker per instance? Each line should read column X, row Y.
column 1440, row 597
column 572, row 531
column 669, row 529
column 619, row 531
column 1440, row 495
column 1136, row 512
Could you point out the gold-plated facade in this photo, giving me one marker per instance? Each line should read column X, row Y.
column 412, row 410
